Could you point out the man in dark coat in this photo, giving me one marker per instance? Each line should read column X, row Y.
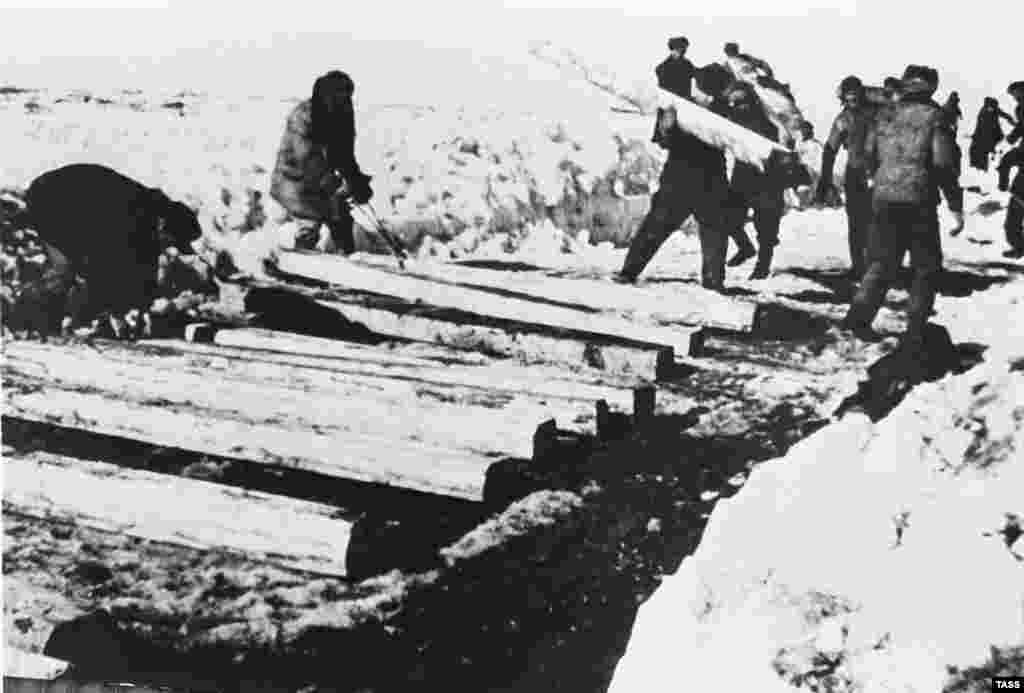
column 692, row 183
column 1014, row 222
column 751, row 189
column 987, row 133
column 908, row 156
column 108, row 229
column 675, row 73
column 316, row 172
column 1016, row 90
column 849, row 130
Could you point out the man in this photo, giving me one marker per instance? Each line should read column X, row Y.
column 849, row 130
column 891, row 85
column 108, row 229
column 316, row 171
column 988, row 133
column 751, row 189
column 675, row 73
column 810, row 151
column 692, row 183
column 908, row 156
column 1014, row 222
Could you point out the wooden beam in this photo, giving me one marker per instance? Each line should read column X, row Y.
column 248, row 348
column 675, row 305
column 525, row 342
column 201, row 515
column 404, row 432
column 337, row 270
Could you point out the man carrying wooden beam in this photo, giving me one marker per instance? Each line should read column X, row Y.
column 761, row 191
column 692, row 183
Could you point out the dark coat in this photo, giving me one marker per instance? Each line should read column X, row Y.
column 910, row 155
column 676, row 75
column 110, row 228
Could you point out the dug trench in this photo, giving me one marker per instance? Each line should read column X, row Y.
column 534, row 589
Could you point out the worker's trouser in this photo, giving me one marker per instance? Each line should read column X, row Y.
column 897, row 228
column 684, row 190
column 858, row 218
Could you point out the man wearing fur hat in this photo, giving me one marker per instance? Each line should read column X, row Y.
column 909, row 158
column 316, row 171
column 849, row 130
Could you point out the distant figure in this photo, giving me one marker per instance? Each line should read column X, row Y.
column 849, row 130
column 108, row 229
column 316, row 176
column 751, row 189
column 811, row 152
column 952, row 111
column 1014, row 159
column 675, row 73
column 1014, row 222
column 909, row 156
column 987, row 133
column 692, row 183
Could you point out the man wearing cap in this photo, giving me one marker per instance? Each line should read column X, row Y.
column 849, row 130
column 908, row 157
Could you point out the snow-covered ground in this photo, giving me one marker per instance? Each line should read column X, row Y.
column 872, row 557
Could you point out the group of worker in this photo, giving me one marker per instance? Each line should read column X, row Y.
column 901, row 152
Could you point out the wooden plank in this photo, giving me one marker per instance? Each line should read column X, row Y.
column 384, row 430
column 469, row 332
column 249, row 347
column 682, row 304
column 291, row 533
column 744, row 144
column 31, row 665
column 337, row 270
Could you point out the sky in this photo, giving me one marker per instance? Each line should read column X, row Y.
column 470, row 53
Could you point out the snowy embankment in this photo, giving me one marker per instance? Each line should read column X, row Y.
column 457, row 175
column 872, row 557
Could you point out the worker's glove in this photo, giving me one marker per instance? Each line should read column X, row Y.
column 359, row 188
column 958, row 224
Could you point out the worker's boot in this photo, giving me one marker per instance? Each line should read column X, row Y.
column 764, row 262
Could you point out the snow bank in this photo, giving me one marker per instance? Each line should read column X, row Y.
column 869, row 558
column 437, row 172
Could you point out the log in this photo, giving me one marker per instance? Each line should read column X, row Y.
column 201, row 515
column 256, row 346
column 30, row 665
column 744, row 144
column 465, row 333
column 680, row 304
column 387, row 431
column 336, row 270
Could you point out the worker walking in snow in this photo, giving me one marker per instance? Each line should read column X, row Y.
column 849, row 130
column 692, row 183
column 316, row 174
column 908, row 155
column 751, row 189
column 987, row 133
column 1014, row 222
